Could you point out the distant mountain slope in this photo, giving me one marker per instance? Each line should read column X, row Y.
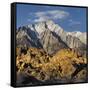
column 79, row 35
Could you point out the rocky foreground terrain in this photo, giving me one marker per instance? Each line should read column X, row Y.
column 35, row 66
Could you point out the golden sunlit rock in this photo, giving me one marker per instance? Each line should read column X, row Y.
column 62, row 65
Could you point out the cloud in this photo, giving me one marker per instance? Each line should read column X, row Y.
column 51, row 14
column 40, row 19
column 72, row 22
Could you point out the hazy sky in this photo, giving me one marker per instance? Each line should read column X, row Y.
column 69, row 18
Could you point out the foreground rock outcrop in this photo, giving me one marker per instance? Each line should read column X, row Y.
column 65, row 66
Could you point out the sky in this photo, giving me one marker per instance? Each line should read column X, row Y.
column 69, row 18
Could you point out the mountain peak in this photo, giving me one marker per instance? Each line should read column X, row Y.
column 48, row 34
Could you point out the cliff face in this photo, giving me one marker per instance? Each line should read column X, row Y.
column 51, row 42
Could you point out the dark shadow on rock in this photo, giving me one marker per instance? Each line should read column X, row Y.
column 78, row 67
column 59, row 39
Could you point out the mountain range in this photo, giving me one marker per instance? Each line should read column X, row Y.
column 51, row 37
